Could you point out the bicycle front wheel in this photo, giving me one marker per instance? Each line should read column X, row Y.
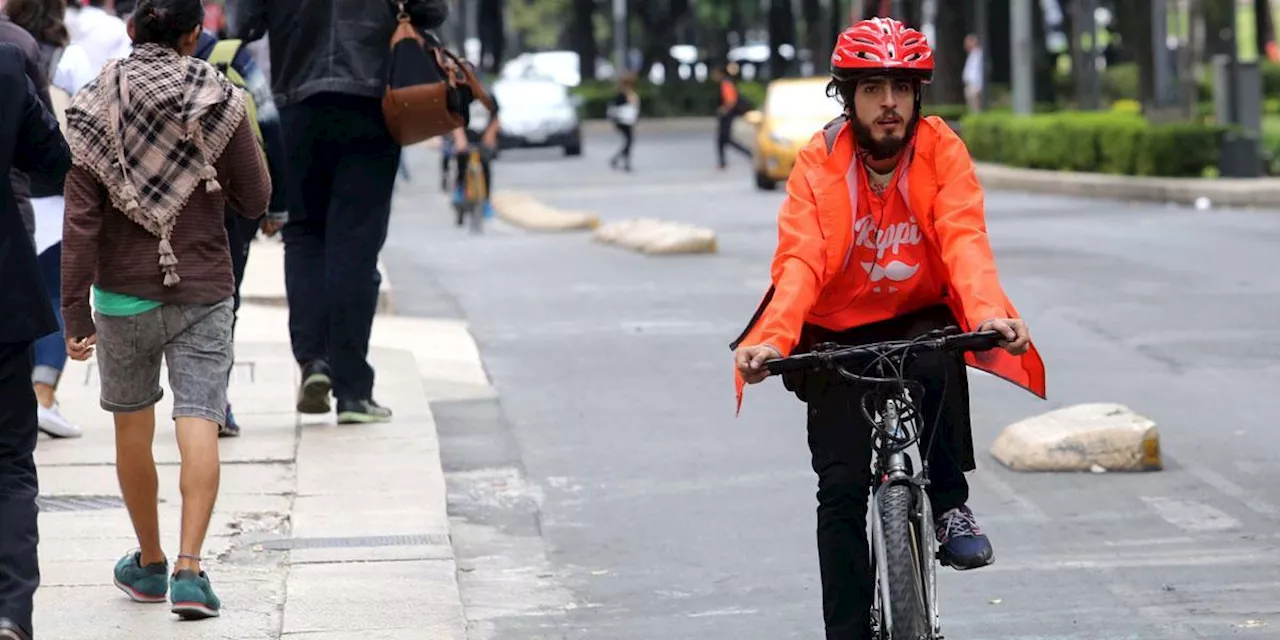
column 906, row 593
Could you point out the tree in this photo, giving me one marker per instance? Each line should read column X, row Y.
column 659, row 21
column 950, row 29
column 492, row 28
column 584, row 37
column 782, row 30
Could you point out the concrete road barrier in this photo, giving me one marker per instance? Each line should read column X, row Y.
column 652, row 236
column 527, row 212
column 1085, row 437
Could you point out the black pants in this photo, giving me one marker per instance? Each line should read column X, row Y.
column 724, row 138
column 342, row 170
column 841, row 444
column 19, row 567
column 623, row 155
column 240, row 234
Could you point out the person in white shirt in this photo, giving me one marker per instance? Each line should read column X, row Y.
column 69, row 69
column 103, row 36
column 973, row 74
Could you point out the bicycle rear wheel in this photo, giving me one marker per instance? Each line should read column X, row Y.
column 906, row 591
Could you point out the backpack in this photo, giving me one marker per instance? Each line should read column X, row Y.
column 221, row 57
column 61, row 99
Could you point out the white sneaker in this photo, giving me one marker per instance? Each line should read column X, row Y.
column 53, row 423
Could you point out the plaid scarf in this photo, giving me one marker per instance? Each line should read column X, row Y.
column 150, row 128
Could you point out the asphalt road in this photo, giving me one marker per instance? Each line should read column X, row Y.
column 610, row 493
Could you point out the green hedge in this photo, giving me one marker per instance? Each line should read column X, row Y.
column 667, row 100
column 1116, row 143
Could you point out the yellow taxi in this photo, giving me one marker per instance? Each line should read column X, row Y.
column 794, row 109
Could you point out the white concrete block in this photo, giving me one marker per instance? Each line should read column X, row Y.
column 1082, row 437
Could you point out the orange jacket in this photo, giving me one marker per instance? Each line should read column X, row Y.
column 815, row 235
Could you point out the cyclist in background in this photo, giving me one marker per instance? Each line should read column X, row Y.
column 482, row 129
column 883, row 237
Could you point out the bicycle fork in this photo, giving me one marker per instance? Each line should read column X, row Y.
column 897, row 471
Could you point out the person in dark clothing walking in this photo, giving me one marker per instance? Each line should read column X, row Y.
column 30, row 49
column 625, row 113
column 241, row 231
column 342, row 166
column 731, row 106
column 30, row 142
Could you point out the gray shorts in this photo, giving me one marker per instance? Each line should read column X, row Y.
column 196, row 342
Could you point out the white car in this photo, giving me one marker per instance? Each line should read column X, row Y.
column 534, row 113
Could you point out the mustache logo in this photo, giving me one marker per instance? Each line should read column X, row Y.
column 895, row 271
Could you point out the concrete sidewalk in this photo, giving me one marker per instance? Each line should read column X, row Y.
column 320, row 531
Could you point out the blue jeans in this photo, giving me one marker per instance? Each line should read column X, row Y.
column 51, row 350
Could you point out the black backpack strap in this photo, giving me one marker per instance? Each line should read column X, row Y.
column 832, row 131
column 764, row 304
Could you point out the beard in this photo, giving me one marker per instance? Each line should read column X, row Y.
column 885, row 148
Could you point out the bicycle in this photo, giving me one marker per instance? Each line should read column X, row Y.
column 475, row 189
column 901, row 517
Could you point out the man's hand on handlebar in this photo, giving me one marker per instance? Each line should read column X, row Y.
column 1017, row 336
column 750, row 362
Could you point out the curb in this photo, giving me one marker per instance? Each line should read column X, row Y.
column 1095, row 437
column 1224, row 192
column 657, row 237
column 264, row 282
column 525, row 211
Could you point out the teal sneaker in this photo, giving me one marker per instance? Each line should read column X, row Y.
column 192, row 595
column 142, row 584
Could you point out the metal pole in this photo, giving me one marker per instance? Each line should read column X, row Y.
column 1160, row 59
column 620, row 35
column 984, row 39
column 1085, row 36
column 1023, row 53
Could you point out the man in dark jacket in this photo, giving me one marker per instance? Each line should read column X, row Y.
column 328, row 73
column 30, row 142
column 17, row 36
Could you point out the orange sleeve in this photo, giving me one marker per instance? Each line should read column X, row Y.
column 798, row 270
column 960, row 221
column 799, row 262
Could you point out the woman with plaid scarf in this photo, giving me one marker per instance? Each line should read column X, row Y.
column 160, row 145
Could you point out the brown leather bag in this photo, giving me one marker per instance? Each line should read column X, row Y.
column 429, row 90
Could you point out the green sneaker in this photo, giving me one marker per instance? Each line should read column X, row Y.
column 192, row 595
column 362, row 412
column 142, row 584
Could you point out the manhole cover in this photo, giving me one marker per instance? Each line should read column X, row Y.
column 78, row 503
column 286, row 544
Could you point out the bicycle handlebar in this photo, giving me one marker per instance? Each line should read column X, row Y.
column 833, row 357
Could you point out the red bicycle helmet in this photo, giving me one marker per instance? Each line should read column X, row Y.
column 882, row 46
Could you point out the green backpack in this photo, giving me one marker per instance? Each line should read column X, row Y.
column 221, row 57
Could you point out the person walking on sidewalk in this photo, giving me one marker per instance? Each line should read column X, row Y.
column 233, row 59
column 68, row 69
column 161, row 145
column 342, row 168
column 29, row 141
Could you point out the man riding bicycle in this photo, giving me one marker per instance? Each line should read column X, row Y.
column 481, row 129
column 883, row 237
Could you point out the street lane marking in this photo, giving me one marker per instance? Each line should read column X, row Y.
column 1231, row 489
column 1190, row 515
column 1130, row 559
